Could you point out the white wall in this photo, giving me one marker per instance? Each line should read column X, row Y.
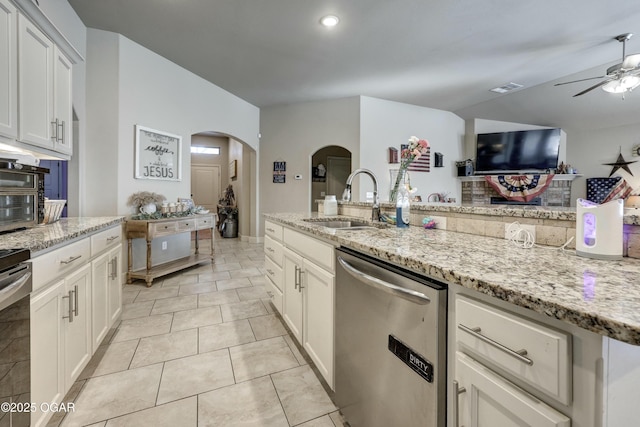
column 589, row 150
column 292, row 133
column 386, row 124
column 151, row 91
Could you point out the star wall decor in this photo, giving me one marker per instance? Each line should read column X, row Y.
column 621, row 163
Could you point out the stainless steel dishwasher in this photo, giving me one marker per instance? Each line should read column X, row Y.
column 390, row 344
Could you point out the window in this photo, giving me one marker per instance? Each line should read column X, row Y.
column 198, row 149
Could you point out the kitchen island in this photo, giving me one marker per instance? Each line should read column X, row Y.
column 599, row 296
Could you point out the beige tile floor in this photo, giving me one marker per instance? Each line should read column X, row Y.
column 201, row 348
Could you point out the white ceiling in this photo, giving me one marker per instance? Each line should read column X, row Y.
column 443, row 54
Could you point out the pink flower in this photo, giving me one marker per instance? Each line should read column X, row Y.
column 424, row 143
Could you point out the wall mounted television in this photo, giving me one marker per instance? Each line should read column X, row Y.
column 519, row 151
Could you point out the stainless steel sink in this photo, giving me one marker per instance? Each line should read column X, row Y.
column 342, row 224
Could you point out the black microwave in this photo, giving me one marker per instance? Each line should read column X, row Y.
column 21, row 195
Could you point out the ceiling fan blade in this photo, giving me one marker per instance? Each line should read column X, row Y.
column 602, row 83
column 631, row 62
column 581, row 80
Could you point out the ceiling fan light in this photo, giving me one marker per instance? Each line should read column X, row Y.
column 614, row 87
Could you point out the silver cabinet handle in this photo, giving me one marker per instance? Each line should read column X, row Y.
column 54, row 130
column 271, row 273
column 71, row 259
column 271, row 230
column 518, row 354
column 75, row 300
column 300, row 287
column 60, row 126
column 457, row 391
column 112, row 238
column 70, row 316
column 270, row 249
column 114, row 268
column 296, row 278
column 408, row 294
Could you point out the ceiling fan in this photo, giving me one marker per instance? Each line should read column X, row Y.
column 619, row 78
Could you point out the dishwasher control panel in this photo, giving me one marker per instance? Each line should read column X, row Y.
column 416, row 362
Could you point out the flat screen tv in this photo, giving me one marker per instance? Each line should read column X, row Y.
column 519, row 151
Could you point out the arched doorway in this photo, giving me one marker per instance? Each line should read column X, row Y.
column 231, row 162
column 330, row 167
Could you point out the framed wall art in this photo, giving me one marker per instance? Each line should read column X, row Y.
column 158, row 155
column 233, row 169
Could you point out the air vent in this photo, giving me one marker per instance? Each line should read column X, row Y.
column 506, row 88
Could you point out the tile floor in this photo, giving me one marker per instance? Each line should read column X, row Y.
column 201, row 348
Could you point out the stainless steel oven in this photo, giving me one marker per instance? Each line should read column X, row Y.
column 21, row 195
column 390, row 344
column 15, row 343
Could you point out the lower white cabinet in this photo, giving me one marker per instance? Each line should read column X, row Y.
column 485, row 399
column 60, row 338
column 308, row 298
column 106, row 291
column 76, row 299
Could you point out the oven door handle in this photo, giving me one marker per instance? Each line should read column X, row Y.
column 408, row 294
column 16, row 279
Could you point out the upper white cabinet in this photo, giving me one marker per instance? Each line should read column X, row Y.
column 8, row 70
column 44, row 91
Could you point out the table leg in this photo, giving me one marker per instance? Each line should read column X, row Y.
column 148, row 256
column 130, row 261
column 212, row 239
column 197, row 247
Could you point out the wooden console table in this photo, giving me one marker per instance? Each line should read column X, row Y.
column 153, row 228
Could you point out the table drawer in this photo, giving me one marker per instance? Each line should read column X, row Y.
column 497, row 335
column 59, row 262
column 310, row 247
column 186, row 225
column 273, row 230
column 105, row 239
column 275, row 295
column 274, row 272
column 203, row 222
column 162, row 228
column 273, row 250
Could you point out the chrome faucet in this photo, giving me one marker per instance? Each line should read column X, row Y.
column 346, row 196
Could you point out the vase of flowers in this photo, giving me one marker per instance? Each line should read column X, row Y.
column 416, row 148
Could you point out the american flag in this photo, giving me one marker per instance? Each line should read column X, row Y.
column 421, row 164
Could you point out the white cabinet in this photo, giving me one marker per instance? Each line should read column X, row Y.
column 47, row 375
column 486, row 399
column 106, row 291
column 60, row 338
column 77, row 296
column 273, row 250
column 308, row 297
column 8, row 70
column 44, row 91
column 77, row 325
column 292, row 271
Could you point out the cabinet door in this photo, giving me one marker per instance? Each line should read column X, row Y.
column 47, row 381
column 100, row 270
column 115, row 284
column 490, row 400
column 318, row 291
column 77, row 333
column 62, row 107
column 35, row 67
column 8, row 70
column 292, row 294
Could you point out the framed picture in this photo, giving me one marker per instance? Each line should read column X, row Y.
column 233, row 169
column 158, row 155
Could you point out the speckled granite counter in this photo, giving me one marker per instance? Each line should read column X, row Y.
column 43, row 237
column 600, row 296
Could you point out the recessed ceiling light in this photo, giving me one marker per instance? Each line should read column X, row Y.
column 329, row 20
column 506, row 88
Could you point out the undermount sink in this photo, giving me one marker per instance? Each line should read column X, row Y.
column 342, row 224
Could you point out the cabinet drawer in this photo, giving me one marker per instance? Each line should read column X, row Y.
column 186, row 225
column 204, row 222
column 273, row 250
column 482, row 329
column 274, row 272
column 273, row 230
column 55, row 264
column 162, row 228
column 321, row 253
column 105, row 239
column 274, row 294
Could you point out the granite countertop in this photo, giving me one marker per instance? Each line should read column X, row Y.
column 46, row 236
column 599, row 296
column 631, row 216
